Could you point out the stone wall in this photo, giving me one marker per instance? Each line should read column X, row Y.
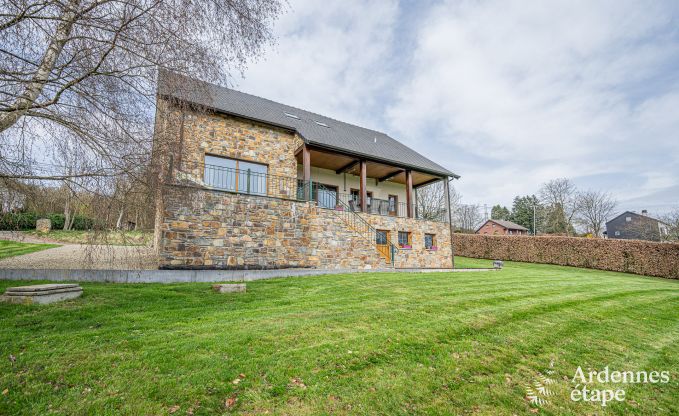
column 417, row 256
column 212, row 229
column 236, row 138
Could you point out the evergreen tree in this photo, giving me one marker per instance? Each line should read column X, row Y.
column 522, row 211
column 499, row 212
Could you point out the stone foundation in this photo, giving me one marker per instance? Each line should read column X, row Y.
column 417, row 256
column 205, row 229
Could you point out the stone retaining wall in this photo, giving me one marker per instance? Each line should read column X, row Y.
column 206, row 229
column 221, row 230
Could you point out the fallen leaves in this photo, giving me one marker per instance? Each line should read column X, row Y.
column 4, row 392
column 12, row 358
column 231, row 402
column 173, row 409
column 238, row 379
column 297, row 382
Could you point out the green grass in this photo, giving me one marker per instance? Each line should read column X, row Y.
column 116, row 238
column 14, row 248
column 438, row 343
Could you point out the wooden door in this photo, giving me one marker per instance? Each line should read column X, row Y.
column 382, row 239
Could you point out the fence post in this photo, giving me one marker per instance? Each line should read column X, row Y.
column 248, row 182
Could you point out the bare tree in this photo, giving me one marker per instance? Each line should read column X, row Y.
column 594, row 207
column 672, row 221
column 86, row 70
column 431, row 201
column 468, row 217
column 560, row 197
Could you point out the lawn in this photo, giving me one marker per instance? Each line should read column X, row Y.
column 116, row 238
column 438, row 343
column 14, row 248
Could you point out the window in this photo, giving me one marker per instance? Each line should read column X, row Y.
column 291, row 115
column 628, row 219
column 430, row 241
column 404, row 239
column 327, row 198
column 393, row 205
column 356, row 197
column 320, row 123
column 617, row 233
column 235, row 175
column 381, row 237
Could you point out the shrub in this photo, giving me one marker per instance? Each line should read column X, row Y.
column 26, row 221
column 631, row 256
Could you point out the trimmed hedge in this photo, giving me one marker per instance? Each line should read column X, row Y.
column 630, row 256
column 26, row 221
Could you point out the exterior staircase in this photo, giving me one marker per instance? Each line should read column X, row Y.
column 359, row 225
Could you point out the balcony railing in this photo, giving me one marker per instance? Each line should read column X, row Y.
column 246, row 181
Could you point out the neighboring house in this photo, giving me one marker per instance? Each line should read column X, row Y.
column 249, row 183
column 501, row 227
column 632, row 226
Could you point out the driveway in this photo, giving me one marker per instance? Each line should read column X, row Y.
column 79, row 256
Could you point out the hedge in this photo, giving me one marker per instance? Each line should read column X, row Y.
column 26, row 221
column 630, row 256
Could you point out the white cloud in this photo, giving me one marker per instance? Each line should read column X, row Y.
column 328, row 58
column 531, row 91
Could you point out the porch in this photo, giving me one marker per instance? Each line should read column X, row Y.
column 341, row 181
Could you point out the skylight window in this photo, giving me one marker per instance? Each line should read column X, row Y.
column 320, row 123
column 291, row 115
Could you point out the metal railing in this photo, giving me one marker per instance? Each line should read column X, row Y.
column 354, row 221
column 373, row 205
column 247, row 181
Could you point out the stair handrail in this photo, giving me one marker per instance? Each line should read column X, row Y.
column 371, row 231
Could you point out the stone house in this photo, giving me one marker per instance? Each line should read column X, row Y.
column 248, row 183
column 501, row 227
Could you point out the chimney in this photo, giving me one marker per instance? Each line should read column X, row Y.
column 644, row 212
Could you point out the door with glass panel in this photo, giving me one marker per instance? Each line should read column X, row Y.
column 382, row 244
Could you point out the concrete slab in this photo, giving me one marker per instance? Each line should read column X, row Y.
column 41, row 294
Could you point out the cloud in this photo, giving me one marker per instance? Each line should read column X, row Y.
column 328, row 58
column 517, row 93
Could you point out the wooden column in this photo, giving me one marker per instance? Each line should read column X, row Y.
column 364, row 190
column 306, row 165
column 409, row 193
column 449, row 216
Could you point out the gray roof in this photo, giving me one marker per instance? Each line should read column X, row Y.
column 509, row 225
column 337, row 135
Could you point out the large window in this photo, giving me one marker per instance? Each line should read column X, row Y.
column 235, row 175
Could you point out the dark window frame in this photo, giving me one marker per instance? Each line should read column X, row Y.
column 409, row 241
column 433, row 241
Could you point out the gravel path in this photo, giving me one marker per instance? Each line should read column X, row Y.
column 79, row 256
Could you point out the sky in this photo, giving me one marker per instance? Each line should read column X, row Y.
column 507, row 94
